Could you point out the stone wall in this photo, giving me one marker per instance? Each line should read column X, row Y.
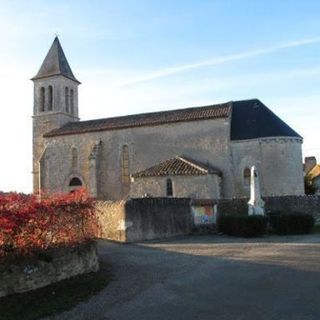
column 198, row 187
column 285, row 204
column 144, row 218
column 49, row 267
column 111, row 219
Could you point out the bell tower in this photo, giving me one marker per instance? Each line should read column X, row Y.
column 55, row 101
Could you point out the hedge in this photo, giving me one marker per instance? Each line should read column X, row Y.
column 28, row 223
column 243, row 226
column 293, row 223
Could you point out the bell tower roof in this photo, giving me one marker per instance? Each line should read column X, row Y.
column 55, row 63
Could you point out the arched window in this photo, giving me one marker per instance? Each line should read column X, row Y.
column 74, row 154
column 125, row 165
column 50, row 98
column 75, row 182
column 42, row 99
column 246, row 177
column 66, row 98
column 71, row 101
column 169, row 188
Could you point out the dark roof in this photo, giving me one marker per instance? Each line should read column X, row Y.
column 252, row 119
column 177, row 166
column 144, row 119
column 55, row 63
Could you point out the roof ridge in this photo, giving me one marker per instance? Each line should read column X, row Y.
column 192, row 164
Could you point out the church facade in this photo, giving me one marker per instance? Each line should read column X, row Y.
column 201, row 152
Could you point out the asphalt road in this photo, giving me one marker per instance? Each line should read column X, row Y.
column 209, row 277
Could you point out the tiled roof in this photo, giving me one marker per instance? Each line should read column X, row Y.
column 314, row 172
column 55, row 63
column 144, row 119
column 250, row 119
column 177, row 166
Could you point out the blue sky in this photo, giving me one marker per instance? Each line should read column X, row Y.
column 138, row 56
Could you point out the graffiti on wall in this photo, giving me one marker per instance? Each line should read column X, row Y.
column 204, row 214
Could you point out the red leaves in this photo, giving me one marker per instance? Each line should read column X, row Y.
column 28, row 223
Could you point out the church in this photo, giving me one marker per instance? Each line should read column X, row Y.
column 200, row 152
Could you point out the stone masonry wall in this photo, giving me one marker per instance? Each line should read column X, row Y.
column 285, row 204
column 111, row 220
column 55, row 265
column 143, row 219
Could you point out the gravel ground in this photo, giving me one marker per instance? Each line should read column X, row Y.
column 209, row 277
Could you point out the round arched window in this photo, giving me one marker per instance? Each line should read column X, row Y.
column 75, row 182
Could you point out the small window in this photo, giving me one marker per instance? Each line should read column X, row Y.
column 71, row 102
column 74, row 154
column 169, row 188
column 75, row 182
column 246, row 176
column 42, row 99
column 50, row 98
column 66, row 98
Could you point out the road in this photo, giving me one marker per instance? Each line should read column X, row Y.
column 209, row 277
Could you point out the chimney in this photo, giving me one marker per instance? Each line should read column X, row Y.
column 309, row 163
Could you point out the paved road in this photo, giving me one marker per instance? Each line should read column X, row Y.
column 209, row 277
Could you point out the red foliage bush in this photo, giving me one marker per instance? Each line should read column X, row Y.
column 29, row 223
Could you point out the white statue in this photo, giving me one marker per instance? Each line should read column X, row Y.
column 255, row 204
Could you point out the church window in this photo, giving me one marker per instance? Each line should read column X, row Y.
column 169, row 188
column 50, row 98
column 66, row 98
column 42, row 99
column 75, row 182
column 71, row 101
column 246, row 176
column 125, row 165
column 74, row 154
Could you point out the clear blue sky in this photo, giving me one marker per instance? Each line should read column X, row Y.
column 137, row 56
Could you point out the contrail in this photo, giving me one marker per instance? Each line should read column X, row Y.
column 219, row 60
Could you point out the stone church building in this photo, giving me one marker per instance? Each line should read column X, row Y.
column 201, row 152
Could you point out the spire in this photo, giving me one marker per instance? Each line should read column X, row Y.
column 55, row 63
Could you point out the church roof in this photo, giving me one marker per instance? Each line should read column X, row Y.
column 144, row 119
column 250, row 119
column 177, row 166
column 55, row 63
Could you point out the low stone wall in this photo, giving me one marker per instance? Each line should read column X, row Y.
column 49, row 267
column 111, row 220
column 144, row 218
column 285, row 204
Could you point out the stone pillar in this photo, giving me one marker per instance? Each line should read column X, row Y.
column 255, row 204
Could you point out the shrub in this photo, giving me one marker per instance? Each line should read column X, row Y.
column 293, row 223
column 28, row 224
column 243, row 226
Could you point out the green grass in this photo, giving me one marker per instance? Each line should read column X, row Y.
column 316, row 229
column 54, row 298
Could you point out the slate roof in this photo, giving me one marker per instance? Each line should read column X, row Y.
column 250, row 119
column 177, row 166
column 55, row 63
